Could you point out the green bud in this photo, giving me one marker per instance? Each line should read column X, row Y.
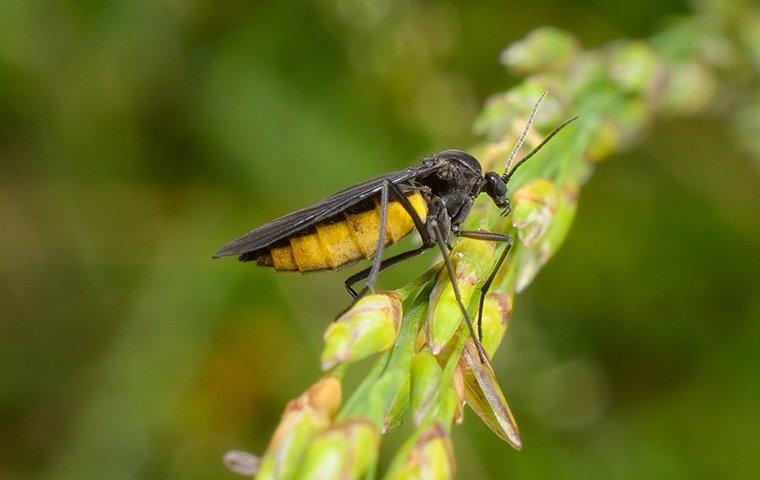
column 605, row 139
column 588, row 69
column 635, row 67
column 691, row 87
column 504, row 116
column 347, row 450
column 304, row 418
column 534, row 208
column 430, row 457
column 369, row 327
column 543, row 49
column 497, row 310
column 471, row 260
column 630, row 118
column 426, row 378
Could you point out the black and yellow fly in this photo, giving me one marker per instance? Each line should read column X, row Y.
column 434, row 198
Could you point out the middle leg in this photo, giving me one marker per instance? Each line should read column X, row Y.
column 452, row 276
column 387, row 263
column 492, row 237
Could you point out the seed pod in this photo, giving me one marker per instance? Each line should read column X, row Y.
column 497, row 310
column 457, row 394
column 486, row 399
column 532, row 259
column 346, row 450
column 534, row 208
column 304, row 418
column 369, row 327
column 563, row 220
column 428, row 455
column 426, row 379
column 471, row 260
column 398, row 407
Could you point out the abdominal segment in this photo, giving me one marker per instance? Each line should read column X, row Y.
column 338, row 243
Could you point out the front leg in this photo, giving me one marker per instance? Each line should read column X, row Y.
column 438, row 222
column 458, row 217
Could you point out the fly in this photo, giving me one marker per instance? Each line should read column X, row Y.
column 433, row 198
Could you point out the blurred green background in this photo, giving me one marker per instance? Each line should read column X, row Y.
column 136, row 137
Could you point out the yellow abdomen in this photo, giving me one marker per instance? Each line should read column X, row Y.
column 336, row 244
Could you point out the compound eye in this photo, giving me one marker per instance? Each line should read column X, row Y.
column 496, row 185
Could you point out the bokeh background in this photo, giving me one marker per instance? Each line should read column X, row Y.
column 138, row 136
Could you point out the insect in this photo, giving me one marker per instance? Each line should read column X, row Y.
column 433, row 198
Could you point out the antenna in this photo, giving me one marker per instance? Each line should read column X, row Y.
column 524, row 134
column 507, row 174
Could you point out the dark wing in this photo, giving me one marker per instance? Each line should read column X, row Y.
column 293, row 223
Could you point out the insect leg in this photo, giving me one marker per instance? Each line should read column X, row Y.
column 418, row 223
column 390, row 188
column 485, row 235
column 378, row 258
column 378, row 255
column 358, row 277
column 378, row 265
column 452, row 276
column 493, row 237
